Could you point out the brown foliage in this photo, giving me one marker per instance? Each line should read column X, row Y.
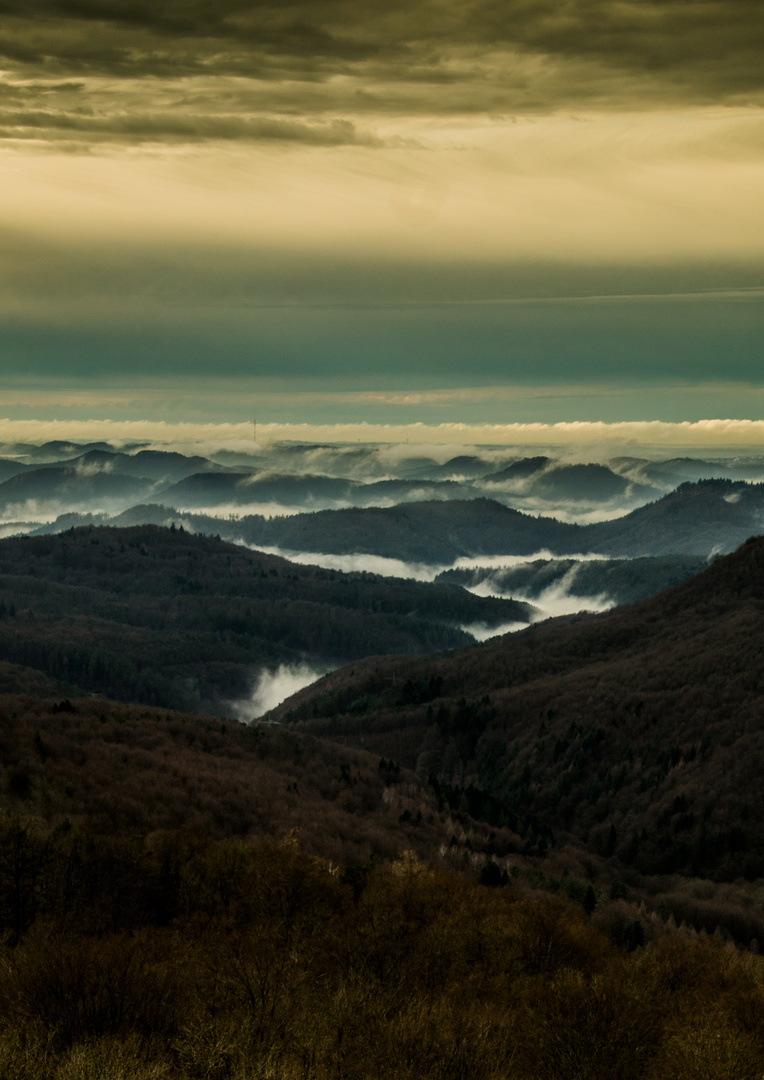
column 635, row 732
column 273, row 964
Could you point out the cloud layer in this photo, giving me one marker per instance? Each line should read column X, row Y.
column 207, row 437
column 193, row 71
column 381, row 197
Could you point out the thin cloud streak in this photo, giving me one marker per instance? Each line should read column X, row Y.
column 711, row 433
column 358, row 562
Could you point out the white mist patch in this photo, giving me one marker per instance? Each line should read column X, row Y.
column 273, row 687
column 499, row 562
column 398, row 568
column 17, row 528
column 93, row 468
column 557, row 599
column 481, row 632
column 572, row 513
column 32, row 511
column 370, row 564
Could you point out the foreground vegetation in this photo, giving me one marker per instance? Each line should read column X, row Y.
column 162, row 918
column 172, row 956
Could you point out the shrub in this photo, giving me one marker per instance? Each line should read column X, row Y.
column 79, row 989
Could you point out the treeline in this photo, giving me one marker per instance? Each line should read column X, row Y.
column 176, row 958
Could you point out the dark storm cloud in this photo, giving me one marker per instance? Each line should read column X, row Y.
column 137, row 127
column 423, row 57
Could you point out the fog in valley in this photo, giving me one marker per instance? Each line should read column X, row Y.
column 559, row 598
column 273, row 687
column 217, row 490
column 40, row 483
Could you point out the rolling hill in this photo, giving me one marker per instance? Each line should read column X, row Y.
column 700, row 519
column 56, row 488
column 622, row 581
column 165, row 617
column 638, row 731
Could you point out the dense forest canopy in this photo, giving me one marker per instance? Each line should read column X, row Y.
column 539, row 858
column 702, row 519
column 637, row 731
column 162, row 616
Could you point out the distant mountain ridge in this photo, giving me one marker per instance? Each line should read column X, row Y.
column 702, row 518
column 53, row 479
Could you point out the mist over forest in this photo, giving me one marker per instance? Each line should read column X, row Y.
column 381, row 540
column 501, row 707
column 41, row 482
column 552, row 533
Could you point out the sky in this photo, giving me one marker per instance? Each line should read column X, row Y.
column 324, row 214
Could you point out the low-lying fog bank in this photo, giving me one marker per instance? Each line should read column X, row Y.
column 583, row 582
column 586, row 486
column 273, row 687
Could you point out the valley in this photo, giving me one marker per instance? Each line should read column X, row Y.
column 556, row 804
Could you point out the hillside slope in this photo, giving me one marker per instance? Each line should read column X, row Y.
column 638, row 731
column 161, row 616
column 117, row 769
column 701, row 519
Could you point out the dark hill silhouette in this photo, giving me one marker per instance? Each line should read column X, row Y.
column 582, row 482
column 637, row 731
column 700, row 518
column 212, row 489
column 165, row 617
column 146, row 464
column 678, row 470
column 542, row 478
column 426, row 531
column 696, row 519
column 64, row 486
column 10, row 468
column 54, row 451
column 623, row 581
column 704, row 518
column 467, row 465
column 209, row 489
column 520, row 470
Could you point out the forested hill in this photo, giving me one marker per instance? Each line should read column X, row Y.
column 623, row 581
column 165, row 617
column 637, row 731
column 700, row 518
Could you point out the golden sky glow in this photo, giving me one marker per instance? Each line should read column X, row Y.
column 196, row 188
